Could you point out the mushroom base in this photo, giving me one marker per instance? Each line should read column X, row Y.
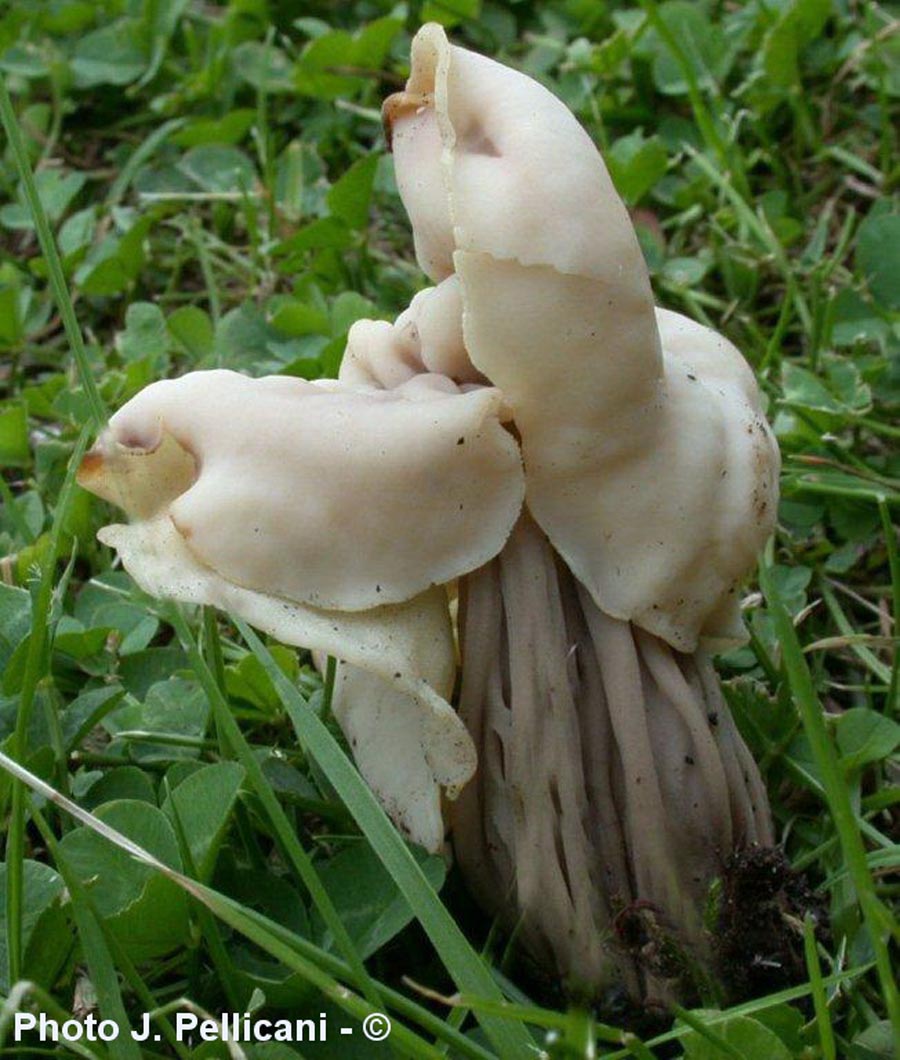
column 612, row 781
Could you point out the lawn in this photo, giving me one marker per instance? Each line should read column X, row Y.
column 192, row 185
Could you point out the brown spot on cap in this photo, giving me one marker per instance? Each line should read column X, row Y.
column 399, row 105
column 91, row 465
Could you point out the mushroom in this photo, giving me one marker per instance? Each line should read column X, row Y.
column 594, row 473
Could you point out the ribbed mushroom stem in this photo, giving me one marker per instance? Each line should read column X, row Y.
column 612, row 782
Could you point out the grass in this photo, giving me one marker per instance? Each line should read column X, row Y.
column 206, row 187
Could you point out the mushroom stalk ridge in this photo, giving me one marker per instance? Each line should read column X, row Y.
column 591, row 474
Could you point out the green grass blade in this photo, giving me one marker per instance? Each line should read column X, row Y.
column 462, row 962
column 750, row 1008
column 589, row 1029
column 890, row 543
column 461, row 1045
column 820, row 1001
column 101, row 966
column 208, row 926
column 306, row 959
column 122, row 961
column 836, row 793
column 761, row 229
column 235, row 915
column 636, row 1048
column 141, row 155
column 290, row 845
column 699, row 1026
column 729, row 159
column 34, row 671
column 864, row 654
column 51, row 256
column 20, row 995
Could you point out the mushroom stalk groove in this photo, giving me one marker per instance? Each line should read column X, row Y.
column 612, row 783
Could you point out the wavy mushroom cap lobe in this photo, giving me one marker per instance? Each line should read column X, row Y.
column 338, row 497
column 626, row 459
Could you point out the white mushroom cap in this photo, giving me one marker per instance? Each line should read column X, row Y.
column 377, row 354
column 435, row 318
column 648, row 464
column 505, row 162
column 329, row 516
column 384, row 727
column 420, row 136
column 426, row 340
column 339, row 498
column 658, row 501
